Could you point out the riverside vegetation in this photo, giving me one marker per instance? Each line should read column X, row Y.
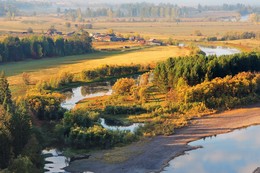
column 167, row 95
column 182, row 88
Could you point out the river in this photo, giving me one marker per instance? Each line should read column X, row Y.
column 55, row 160
column 235, row 152
column 74, row 95
column 219, row 50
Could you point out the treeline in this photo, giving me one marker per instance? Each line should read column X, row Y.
column 107, row 71
column 240, row 35
column 149, row 10
column 10, row 9
column 123, row 110
column 35, row 47
column 236, row 36
column 197, row 69
column 241, row 8
column 145, row 10
column 112, row 71
column 20, row 149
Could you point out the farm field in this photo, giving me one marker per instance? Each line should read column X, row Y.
column 158, row 30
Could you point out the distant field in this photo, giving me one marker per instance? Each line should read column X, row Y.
column 114, row 45
column 160, row 30
column 183, row 31
column 43, row 69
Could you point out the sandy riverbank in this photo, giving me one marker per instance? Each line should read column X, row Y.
column 154, row 154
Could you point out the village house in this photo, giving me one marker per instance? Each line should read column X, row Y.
column 154, row 42
column 107, row 37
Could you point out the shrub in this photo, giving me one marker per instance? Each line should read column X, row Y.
column 123, row 86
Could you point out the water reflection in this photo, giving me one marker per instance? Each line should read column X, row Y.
column 56, row 161
column 235, row 152
column 97, row 89
column 219, row 50
column 244, row 18
column 89, row 91
column 131, row 128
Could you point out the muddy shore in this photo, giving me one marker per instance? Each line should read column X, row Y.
column 154, row 154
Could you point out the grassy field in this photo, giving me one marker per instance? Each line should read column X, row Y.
column 43, row 69
column 184, row 30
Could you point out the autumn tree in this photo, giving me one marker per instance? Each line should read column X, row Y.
column 123, row 86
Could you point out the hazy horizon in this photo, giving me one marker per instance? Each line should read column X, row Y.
column 181, row 2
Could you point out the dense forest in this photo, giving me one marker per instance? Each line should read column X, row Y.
column 20, row 150
column 200, row 68
column 16, row 49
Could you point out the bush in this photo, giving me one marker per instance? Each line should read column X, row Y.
column 21, row 164
column 227, row 92
column 45, row 106
column 123, row 86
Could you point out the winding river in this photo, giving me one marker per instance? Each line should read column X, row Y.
column 56, row 161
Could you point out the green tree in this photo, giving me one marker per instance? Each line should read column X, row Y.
column 21, row 164
column 33, row 151
column 20, row 129
column 5, row 139
column 5, row 93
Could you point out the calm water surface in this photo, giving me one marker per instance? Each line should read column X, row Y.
column 131, row 128
column 219, row 50
column 83, row 92
column 56, row 161
column 235, row 152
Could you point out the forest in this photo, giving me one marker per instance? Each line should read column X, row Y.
column 20, row 148
column 197, row 69
column 36, row 47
